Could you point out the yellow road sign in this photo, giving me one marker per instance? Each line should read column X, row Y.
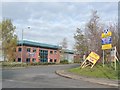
column 93, row 57
column 106, row 46
column 106, row 35
column 106, row 40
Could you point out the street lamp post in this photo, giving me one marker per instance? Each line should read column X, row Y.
column 22, row 48
column 22, row 44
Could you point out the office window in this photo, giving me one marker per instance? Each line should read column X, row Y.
column 51, row 52
column 46, row 51
column 44, row 60
column 50, row 60
column 41, row 60
column 28, row 49
column 34, row 50
column 28, row 60
column 19, row 59
column 55, row 60
column 19, row 49
column 34, row 60
column 43, row 55
column 55, row 52
column 46, row 57
column 41, row 51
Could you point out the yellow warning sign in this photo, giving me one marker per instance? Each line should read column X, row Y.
column 106, row 46
column 106, row 40
column 93, row 57
column 106, row 35
column 90, row 60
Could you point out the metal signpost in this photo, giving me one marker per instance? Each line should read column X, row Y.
column 114, row 57
column 103, row 58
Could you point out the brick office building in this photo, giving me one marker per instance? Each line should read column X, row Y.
column 28, row 51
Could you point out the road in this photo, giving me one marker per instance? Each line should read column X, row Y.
column 43, row 77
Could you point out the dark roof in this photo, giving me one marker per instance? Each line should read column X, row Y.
column 68, row 51
column 37, row 44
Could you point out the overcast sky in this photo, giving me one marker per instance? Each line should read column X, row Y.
column 50, row 22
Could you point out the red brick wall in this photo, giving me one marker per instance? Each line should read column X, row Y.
column 25, row 54
column 54, row 55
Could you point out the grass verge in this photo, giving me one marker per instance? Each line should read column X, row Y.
column 97, row 71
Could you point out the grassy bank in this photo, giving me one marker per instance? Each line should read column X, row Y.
column 97, row 71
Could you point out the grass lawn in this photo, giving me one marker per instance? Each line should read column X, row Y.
column 97, row 71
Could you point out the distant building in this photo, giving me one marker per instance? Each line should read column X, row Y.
column 77, row 58
column 29, row 51
column 68, row 55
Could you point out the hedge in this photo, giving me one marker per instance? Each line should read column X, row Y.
column 64, row 62
column 19, row 64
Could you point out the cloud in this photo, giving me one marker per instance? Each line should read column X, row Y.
column 50, row 22
column 60, row 0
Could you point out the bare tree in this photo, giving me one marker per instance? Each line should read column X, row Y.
column 93, row 31
column 64, row 45
column 115, row 36
column 80, row 42
column 91, row 37
column 114, row 29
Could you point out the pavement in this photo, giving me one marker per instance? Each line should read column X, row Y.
column 44, row 77
column 102, row 81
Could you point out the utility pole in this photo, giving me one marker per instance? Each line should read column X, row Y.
column 22, row 48
column 22, row 44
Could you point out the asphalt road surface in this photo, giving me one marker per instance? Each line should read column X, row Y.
column 43, row 77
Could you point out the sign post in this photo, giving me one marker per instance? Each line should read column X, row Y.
column 115, row 65
column 114, row 57
column 103, row 58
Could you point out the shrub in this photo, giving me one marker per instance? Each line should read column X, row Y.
column 19, row 64
column 80, row 60
column 40, row 63
column 47, row 63
column 36, row 63
column 64, row 62
column 13, row 64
